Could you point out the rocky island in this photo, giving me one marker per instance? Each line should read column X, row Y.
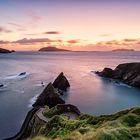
column 52, row 119
column 5, row 51
column 128, row 73
column 52, row 49
column 123, row 50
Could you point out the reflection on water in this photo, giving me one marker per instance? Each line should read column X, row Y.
column 92, row 94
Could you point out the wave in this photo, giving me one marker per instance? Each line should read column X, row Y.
column 32, row 100
column 122, row 84
column 3, row 87
column 21, row 75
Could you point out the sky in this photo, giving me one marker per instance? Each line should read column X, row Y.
column 83, row 25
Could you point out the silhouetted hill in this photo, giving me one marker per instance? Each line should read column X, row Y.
column 5, row 51
column 52, row 49
column 119, row 50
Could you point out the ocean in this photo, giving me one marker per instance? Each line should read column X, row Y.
column 89, row 92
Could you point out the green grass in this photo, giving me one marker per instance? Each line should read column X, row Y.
column 124, row 125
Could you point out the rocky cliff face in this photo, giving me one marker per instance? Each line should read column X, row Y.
column 36, row 126
column 49, row 97
column 128, row 73
column 61, row 82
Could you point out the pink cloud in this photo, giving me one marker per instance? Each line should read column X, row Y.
column 34, row 16
column 4, row 42
column 30, row 41
column 74, row 41
column 52, row 32
column 18, row 26
column 105, row 35
column 4, row 30
column 35, row 40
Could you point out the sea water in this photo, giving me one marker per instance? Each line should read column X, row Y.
column 89, row 92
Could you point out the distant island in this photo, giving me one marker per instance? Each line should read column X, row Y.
column 5, row 51
column 52, row 49
column 121, row 50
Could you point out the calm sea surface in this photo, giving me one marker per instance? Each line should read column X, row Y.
column 89, row 92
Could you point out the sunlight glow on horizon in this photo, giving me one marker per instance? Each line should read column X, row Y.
column 90, row 22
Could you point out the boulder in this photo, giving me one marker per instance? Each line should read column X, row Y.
column 61, row 82
column 22, row 74
column 1, row 85
column 49, row 97
column 107, row 72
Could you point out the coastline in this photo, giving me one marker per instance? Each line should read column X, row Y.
column 24, row 126
column 41, row 119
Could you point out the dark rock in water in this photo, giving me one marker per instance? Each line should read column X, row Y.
column 128, row 73
column 49, row 97
column 61, row 82
column 23, row 73
column 107, row 72
column 42, row 84
column 1, row 85
column 13, row 51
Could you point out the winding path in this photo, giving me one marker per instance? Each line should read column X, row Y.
column 39, row 112
column 40, row 115
column 70, row 115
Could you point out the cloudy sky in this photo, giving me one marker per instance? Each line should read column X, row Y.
column 71, row 24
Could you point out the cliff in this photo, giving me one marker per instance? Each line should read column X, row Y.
column 128, row 73
column 124, row 125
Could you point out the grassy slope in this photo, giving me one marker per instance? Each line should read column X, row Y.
column 124, row 125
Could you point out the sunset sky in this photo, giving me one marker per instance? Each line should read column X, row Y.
column 71, row 24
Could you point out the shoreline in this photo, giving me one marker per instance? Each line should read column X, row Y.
column 24, row 126
column 51, row 97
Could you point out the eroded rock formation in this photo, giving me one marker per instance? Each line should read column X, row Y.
column 49, row 97
column 128, row 73
column 61, row 82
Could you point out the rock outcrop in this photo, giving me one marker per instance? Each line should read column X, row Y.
column 49, row 97
column 61, row 82
column 51, row 94
column 128, row 73
column 5, row 51
column 107, row 72
column 1, row 85
column 61, row 109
